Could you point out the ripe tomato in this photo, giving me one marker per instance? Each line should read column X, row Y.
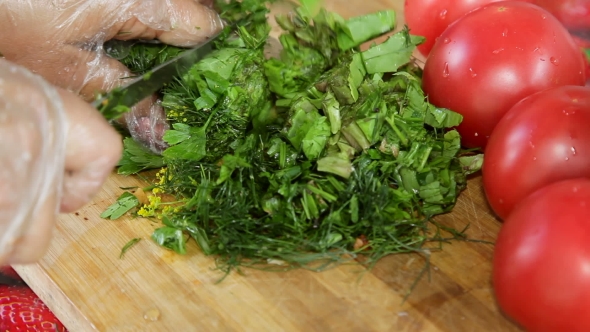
column 574, row 14
column 541, row 265
column 429, row 18
column 544, row 138
column 495, row 56
column 584, row 45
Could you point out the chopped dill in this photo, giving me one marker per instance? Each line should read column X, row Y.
column 128, row 246
column 320, row 156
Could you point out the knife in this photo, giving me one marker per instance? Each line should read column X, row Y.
column 121, row 99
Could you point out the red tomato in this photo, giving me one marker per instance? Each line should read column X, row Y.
column 494, row 56
column 429, row 18
column 541, row 266
column 574, row 14
column 584, row 45
column 542, row 139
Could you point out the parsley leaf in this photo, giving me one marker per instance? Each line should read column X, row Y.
column 124, row 204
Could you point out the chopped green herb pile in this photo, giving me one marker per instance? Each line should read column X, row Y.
column 304, row 160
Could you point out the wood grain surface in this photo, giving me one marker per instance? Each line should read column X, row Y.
column 83, row 280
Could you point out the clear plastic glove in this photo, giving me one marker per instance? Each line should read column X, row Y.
column 62, row 40
column 55, row 153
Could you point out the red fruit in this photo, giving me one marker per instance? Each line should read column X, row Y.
column 584, row 45
column 574, row 14
column 491, row 58
column 430, row 18
column 22, row 310
column 587, row 62
column 582, row 42
column 9, row 272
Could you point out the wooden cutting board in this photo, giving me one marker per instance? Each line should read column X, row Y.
column 83, row 280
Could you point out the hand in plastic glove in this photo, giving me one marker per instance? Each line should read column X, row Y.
column 55, row 153
column 62, row 40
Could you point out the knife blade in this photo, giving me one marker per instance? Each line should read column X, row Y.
column 121, row 99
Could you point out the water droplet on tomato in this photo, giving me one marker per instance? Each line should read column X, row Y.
column 567, row 158
column 534, row 158
column 476, row 134
column 446, row 70
column 543, row 17
column 537, row 49
column 447, row 40
column 554, row 61
column 568, row 112
column 497, row 51
column 443, row 14
column 573, row 151
column 505, row 32
column 473, row 74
